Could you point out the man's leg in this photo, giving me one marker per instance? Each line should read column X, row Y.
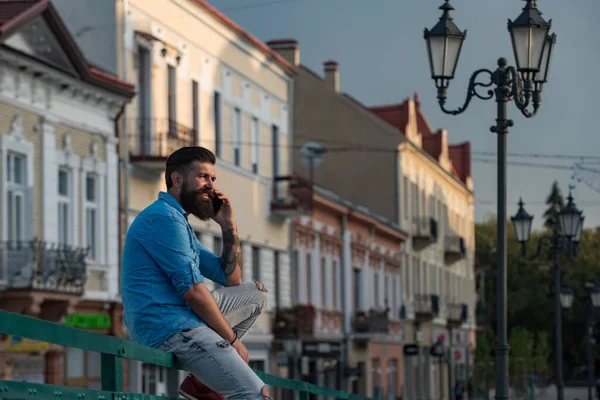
column 202, row 352
column 242, row 305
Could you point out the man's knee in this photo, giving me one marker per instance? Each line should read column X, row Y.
column 265, row 393
column 263, row 294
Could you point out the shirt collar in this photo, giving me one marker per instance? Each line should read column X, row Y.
column 172, row 201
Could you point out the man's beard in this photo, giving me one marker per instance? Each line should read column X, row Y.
column 193, row 203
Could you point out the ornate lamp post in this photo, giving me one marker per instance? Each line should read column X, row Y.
column 533, row 48
column 571, row 223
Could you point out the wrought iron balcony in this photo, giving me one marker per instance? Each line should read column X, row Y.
column 425, row 232
column 296, row 322
column 43, row 266
column 292, row 196
column 152, row 140
column 373, row 321
column 457, row 314
column 426, row 306
column 454, row 248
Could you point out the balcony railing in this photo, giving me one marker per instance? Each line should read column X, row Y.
column 425, row 232
column 373, row 321
column 454, row 247
column 154, row 139
column 38, row 265
column 457, row 314
column 298, row 322
column 426, row 306
column 292, row 196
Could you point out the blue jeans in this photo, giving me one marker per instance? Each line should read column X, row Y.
column 210, row 358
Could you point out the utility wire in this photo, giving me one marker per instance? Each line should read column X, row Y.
column 257, row 5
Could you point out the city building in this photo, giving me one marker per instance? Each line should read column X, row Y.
column 59, row 239
column 345, row 324
column 390, row 161
column 437, row 207
column 202, row 80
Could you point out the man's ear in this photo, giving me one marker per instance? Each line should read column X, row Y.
column 176, row 178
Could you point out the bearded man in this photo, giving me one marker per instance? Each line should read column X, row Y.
column 168, row 307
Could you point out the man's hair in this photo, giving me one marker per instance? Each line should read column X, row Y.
column 181, row 161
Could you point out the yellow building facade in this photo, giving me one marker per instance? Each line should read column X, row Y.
column 59, row 238
column 202, row 80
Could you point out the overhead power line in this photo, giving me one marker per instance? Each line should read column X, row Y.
column 258, row 5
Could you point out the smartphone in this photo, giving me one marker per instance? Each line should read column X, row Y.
column 217, row 204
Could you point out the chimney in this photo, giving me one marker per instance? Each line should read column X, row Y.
column 332, row 75
column 287, row 48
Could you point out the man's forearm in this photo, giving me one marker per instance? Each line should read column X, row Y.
column 231, row 258
column 206, row 308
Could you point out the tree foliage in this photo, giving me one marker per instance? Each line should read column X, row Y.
column 555, row 202
column 530, row 299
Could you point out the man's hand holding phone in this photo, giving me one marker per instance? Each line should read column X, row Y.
column 223, row 210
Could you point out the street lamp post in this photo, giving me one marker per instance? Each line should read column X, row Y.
column 533, row 47
column 571, row 222
column 593, row 305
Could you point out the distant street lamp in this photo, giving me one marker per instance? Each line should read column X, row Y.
column 566, row 297
column 571, row 223
column 533, row 48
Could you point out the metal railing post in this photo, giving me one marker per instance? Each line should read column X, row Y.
column 112, row 373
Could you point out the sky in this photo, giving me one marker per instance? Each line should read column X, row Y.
column 382, row 58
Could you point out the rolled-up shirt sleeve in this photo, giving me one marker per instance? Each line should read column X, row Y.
column 210, row 265
column 168, row 243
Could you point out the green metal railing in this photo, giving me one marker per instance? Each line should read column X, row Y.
column 113, row 350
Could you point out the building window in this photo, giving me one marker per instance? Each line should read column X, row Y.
column 433, row 279
column 277, row 271
column 387, row 301
column 336, row 285
column 324, row 283
column 16, row 195
column 357, row 287
column 91, row 216
column 237, row 137
column 196, row 111
column 405, row 195
column 65, row 207
column 256, row 263
column 376, row 290
column 416, row 275
column 376, row 377
column 406, row 268
column 309, row 292
column 218, row 245
column 172, row 100
column 82, row 369
column 255, row 145
column 296, row 277
column 276, row 150
column 217, row 122
column 392, row 376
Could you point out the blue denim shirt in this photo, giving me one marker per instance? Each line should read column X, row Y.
column 162, row 259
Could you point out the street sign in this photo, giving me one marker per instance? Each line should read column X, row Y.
column 411, row 350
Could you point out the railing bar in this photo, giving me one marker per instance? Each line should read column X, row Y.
column 113, row 350
column 45, row 331
column 37, row 391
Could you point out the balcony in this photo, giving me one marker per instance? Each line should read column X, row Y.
column 152, row 140
column 454, row 248
column 373, row 322
column 424, row 233
column 296, row 322
column 292, row 196
column 481, row 317
column 42, row 266
column 426, row 307
column 457, row 315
